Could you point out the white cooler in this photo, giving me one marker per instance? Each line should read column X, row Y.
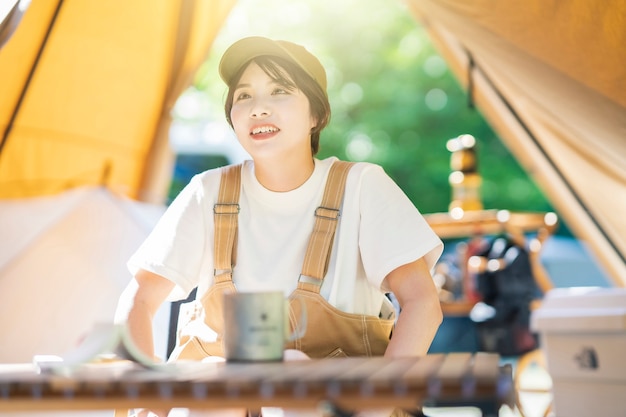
column 583, row 337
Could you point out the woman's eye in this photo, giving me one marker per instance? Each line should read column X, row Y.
column 280, row 90
column 242, row 96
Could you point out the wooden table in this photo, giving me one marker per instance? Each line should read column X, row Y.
column 450, row 380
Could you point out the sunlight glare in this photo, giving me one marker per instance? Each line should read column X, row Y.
column 411, row 45
column 297, row 13
column 351, row 94
column 435, row 66
column 436, row 99
column 191, row 106
column 360, row 147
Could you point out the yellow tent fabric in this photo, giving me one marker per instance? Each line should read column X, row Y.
column 550, row 77
column 86, row 89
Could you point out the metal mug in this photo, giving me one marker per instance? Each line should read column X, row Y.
column 256, row 326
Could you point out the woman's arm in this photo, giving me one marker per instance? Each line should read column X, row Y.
column 420, row 315
column 419, row 319
column 138, row 305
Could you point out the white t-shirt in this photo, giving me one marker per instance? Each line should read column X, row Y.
column 379, row 230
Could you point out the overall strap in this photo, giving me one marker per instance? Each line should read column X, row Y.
column 320, row 246
column 225, row 213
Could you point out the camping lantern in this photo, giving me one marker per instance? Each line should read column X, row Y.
column 464, row 178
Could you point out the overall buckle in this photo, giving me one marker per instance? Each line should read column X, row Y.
column 226, row 208
column 327, row 213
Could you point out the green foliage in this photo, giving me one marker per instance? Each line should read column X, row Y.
column 394, row 101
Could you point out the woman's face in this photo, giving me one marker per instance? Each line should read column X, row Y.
column 270, row 119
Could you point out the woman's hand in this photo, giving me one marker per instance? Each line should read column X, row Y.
column 294, row 355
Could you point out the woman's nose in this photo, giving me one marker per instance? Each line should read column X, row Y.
column 259, row 109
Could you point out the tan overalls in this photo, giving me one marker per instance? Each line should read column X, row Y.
column 329, row 331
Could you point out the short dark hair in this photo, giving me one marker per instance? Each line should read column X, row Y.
column 288, row 74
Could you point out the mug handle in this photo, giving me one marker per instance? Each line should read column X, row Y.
column 300, row 329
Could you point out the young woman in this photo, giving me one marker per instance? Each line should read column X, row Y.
column 277, row 105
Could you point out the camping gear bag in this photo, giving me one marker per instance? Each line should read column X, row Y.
column 503, row 316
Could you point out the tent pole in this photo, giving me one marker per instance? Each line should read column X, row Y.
column 31, row 73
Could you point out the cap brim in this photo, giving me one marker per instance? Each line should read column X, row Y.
column 242, row 51
column 246, row 49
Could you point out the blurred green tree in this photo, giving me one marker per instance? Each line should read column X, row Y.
column 394, row 101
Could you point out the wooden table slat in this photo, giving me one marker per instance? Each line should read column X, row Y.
column 485, row 367
column 452, row 379
column 454, row 366
column 423, row 369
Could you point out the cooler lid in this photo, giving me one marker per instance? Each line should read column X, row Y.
column 575, row 309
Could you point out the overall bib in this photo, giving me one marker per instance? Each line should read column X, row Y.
column 329, row 331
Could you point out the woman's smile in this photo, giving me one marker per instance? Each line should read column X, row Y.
column 264, row 131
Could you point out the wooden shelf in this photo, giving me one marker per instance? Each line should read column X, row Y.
column 489, row 222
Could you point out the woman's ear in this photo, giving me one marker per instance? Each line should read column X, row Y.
column 313, row 123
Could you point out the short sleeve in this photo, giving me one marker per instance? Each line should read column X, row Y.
column 176, row 247
column 392, row 232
